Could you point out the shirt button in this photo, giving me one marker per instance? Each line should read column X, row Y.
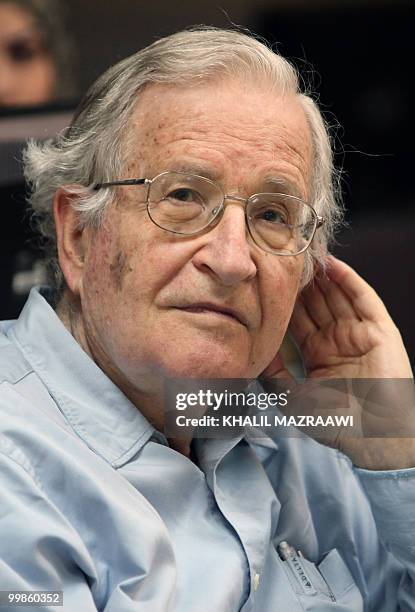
column 256, row 581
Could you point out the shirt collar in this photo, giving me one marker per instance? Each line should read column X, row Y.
column 96, row 409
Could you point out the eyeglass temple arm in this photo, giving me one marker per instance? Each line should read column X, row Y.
column 320, row 221
column 124, row 182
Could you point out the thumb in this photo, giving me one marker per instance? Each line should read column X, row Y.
column 276, row 369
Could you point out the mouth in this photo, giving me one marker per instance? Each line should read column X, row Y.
column 216, row 310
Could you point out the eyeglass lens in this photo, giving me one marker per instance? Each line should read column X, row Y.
column 187, row 204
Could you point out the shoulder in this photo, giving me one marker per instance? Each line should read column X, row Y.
column 22, row 392
column 13, row 365
column 29, row 417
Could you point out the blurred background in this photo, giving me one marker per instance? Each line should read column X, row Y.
column 357, row 54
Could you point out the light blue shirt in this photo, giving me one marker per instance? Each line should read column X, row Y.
column 95, row 503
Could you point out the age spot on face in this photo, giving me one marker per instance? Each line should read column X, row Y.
column 119, row 269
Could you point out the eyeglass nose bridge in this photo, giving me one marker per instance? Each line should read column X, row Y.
column 235, row 197
column 219, row 210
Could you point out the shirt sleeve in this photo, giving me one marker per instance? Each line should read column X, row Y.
column 39, row 549
column 392, row 498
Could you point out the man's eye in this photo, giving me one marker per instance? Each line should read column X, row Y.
column 183, row 195
column 272, row 216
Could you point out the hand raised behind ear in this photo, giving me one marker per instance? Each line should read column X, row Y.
column 345, row 333
column 344, row 330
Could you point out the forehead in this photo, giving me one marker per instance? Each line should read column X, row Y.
column 14, row 19
column 225, row 129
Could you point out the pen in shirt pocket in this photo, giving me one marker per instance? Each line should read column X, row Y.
column 296, row 562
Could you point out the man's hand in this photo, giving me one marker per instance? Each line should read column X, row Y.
column 344, row 329
column 345, row 332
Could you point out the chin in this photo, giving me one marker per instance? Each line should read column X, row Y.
column 206, row 365
column 201, row 354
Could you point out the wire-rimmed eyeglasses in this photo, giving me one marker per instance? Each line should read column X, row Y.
column 188, row 204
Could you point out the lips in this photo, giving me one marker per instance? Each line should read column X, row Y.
column 200, row 307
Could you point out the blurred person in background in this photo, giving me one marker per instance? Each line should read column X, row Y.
column 37, row 68
column 36, row 55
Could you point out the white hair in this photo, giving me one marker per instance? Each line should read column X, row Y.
column 93, row 149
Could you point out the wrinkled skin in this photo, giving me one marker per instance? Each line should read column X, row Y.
column 135, row 278
column 131, row 283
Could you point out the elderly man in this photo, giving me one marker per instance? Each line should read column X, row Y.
column 188, row 206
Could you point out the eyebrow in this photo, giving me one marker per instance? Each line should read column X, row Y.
column 200, row 170
column 283, row 184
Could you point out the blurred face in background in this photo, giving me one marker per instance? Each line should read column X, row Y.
column 27, row 70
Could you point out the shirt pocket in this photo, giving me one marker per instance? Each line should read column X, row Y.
column 324, row 587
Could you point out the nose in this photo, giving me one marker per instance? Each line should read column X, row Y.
column 226, row 253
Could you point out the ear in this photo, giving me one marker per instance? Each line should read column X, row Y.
column 71, row 239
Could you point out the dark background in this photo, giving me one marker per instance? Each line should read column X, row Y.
column 358, row 55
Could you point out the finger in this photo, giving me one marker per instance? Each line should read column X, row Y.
column 277, row 369
column 314, row 301
column 337, row 301
column 301, row 324
column 363, row 297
